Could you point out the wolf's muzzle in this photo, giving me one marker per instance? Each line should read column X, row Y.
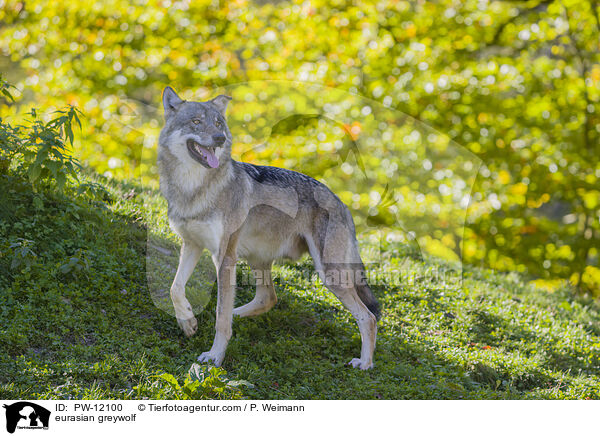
column 218, row 140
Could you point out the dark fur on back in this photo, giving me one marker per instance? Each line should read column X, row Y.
column 276, row 176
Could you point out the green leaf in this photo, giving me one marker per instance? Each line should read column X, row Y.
column 38, row 202
column 195, row 372
column 238, row 383
column 61, row 180
column 34, row 172
column 7, row 94
column 170, row 379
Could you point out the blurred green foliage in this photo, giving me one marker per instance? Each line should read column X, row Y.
column 515, row 83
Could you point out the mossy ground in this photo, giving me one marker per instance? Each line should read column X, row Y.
column 77, row 319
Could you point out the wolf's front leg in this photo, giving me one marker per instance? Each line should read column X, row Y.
column 225, row 300
column 188, row 258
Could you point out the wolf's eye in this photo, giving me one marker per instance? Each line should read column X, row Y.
column 196, row 121
column 218, row 124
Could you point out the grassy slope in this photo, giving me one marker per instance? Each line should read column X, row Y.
column 95, row 332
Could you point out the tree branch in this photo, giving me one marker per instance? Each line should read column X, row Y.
column 542, row 5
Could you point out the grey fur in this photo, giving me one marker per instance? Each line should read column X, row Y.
column 258, row 213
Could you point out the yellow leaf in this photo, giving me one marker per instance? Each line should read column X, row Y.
column 518, row 189
column 503, row 177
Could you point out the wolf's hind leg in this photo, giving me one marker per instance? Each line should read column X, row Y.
column 188, row 258
column 265, row 297
column 337, row 260
column 367, row 323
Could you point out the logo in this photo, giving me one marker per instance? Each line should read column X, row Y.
column 26, row 415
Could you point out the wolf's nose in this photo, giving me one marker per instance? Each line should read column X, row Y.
column 218, row 139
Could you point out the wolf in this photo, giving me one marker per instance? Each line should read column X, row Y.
column 260, row 214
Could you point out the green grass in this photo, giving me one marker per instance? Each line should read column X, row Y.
column 78, row 320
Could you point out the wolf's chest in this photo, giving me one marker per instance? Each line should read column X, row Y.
column 205, row 233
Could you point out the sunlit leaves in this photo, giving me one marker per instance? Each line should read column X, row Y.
column 517, row 83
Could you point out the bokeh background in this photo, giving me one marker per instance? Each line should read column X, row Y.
column 502, row 95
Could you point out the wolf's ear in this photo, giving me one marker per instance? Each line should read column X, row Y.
column 220, row 102
column 170, row 99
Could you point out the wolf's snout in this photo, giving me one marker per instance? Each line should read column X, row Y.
column 218, row 139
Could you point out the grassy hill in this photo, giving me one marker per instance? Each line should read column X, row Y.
column 77, row 320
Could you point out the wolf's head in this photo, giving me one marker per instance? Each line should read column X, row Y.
column 195, row 132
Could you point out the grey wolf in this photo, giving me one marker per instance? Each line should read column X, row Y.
column 258, row 213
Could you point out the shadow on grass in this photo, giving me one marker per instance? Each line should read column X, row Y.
column 307, row 339
column 95, row 331
column 76, row 315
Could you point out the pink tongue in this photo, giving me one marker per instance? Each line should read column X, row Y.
column 211, row 159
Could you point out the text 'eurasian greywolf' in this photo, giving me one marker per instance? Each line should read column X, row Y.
column 257, row 213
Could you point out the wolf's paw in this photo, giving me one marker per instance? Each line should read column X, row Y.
column 237, row 311
column 255, row 307
column 246, row 310
column 207, row 356
column 189, row 326
column 358, row 363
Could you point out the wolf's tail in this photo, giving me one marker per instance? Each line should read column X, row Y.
column 366, row 295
